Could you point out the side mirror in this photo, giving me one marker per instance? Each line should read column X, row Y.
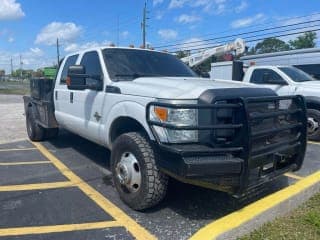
column 78, row 79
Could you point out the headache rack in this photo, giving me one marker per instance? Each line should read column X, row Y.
column 268, row 133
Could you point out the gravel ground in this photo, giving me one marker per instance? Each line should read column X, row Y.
column 12, row 120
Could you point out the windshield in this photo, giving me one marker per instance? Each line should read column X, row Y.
column 128, row 64
column 296, row 74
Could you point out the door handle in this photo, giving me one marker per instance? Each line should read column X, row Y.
column 71, row 97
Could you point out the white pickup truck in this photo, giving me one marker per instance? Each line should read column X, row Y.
column 288, row 80
column 160, row 120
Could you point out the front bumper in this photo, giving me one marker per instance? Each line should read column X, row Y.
column 242, row 163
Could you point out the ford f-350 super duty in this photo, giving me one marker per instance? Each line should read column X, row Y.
column 160, row 120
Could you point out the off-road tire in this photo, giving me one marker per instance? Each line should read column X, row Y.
column 35, row 132
column 153, row 182
column 316, row 115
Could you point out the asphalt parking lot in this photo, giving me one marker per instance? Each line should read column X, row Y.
column 62, row 189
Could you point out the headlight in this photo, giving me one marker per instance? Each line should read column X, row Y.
column 177, row 117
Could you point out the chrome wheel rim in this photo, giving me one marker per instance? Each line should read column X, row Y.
column 313, row 125
column 128, row 172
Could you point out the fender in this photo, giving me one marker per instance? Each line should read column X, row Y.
column 134, row 110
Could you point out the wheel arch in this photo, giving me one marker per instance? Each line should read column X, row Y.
column 313, row 103
column 126, row 117
column 124, row 124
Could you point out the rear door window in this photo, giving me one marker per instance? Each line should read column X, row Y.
column 69, row 62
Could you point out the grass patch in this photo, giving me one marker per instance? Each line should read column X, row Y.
column 302, row 223
column 12, row 87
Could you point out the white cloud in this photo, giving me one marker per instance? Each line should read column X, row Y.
column 243, row 5
column 124, row 34
column 10, row 39
column 10, row 10
column 216, row 7
column 34, row 58
column 73, row 47
column 157, row 2
column 184, row 18
column 66, row 32
column 177, row 3
column 168, row 34
column 36, row 51
column 159, row 15
column 245, row 22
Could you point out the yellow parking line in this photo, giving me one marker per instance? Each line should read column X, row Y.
column 16, row 149
column 23, row 163
column 57, row 228
column 36, row 186
column 235, row 219
column 131, row 225
column 291, row 175
column 312, row 142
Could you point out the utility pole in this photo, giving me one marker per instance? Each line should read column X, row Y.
column 58, row 52
column 21, row 67
column 11, row 66
column 144, row 24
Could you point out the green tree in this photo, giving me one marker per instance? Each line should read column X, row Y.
column 306, row 40
column 182, row 53
column 270, row 45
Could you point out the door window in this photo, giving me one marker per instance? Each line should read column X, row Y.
column 91, row 63
column 259, row 76
column 69, row 62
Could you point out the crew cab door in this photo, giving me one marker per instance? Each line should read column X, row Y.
column 62, row 93
column 270, row 79
column 83, row 108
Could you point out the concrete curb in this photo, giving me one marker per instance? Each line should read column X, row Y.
column 252, row 216
column 279, row 210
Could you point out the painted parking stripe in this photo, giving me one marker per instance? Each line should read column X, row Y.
column 237, row 218
column 131, row 225
column 16, row 149
column 18, row 231
column 36, row 186
column 312, row 142
column 24, row 163
column 294, row 176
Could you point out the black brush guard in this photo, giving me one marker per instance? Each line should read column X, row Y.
column 263, row 138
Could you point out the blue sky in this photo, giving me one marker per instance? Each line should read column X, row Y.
column 30, row 27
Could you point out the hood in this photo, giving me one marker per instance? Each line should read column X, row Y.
column 310, row 88
column 310, row 84
column 175, row 87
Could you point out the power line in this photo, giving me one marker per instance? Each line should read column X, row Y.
column 253, row 40
column 239, row 34
column 259, row 35
column 254, row 26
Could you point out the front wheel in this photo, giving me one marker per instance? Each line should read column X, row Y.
column 313, row 124
column 139, row 182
